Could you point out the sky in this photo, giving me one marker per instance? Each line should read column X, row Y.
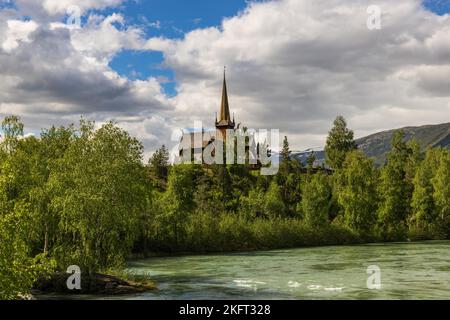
column 155, row 66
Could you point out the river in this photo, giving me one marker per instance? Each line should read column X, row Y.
column 419, row 270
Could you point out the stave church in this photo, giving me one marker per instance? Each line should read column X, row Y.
column 194, row 143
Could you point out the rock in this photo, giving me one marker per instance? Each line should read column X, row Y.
column 110, row 285
column 26, row 296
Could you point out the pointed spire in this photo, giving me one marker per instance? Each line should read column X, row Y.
column 224, row 108
column 224, row 117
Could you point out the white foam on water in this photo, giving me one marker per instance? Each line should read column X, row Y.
column 239, row 281
column 294, row 284
column 333, row 289
column 248, row 283
column 314, row 287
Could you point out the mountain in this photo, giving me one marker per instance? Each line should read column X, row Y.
column 303, row 156
column 377, row 145
column 430, row 136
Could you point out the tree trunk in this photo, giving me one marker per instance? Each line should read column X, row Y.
column 46, row 239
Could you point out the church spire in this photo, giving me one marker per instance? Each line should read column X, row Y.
column 225, row 118
column 224, row 108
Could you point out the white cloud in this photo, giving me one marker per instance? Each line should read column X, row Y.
column 102, row 39
column 60, row 7
column 293, row 65
column 17, row 31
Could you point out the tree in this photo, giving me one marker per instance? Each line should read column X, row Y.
column 178, row 201
column 291, row 191
column 285, row 167
column 356, row 190
column 223, row 183
column 18, row 270
column 273, row 204
column 316, row 200
column 253, row 205
column 288, row 178
column 441, row 195
column 285, row 152
column 100, row 191
column 339, row 143
column 422, row 202
column 54, row 143
column 12, row 129
column 395, row 189
column 159, row 163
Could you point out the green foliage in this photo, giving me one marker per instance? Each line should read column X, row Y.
column 18, row 269
column 100, row 192
column 291, row 191
column 285, row 152
column 159, row 164
column 396, row 188
column 356, row 191
column 83, row 192
column 12, row 129
column 422, row 203
column 288, row 178
column 315, row 203
column 339, row 143
column 178, row 201
column 273, row 204
column 219, row 231
column 252, row 206
column 441, row 195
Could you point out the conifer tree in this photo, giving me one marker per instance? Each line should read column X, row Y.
column 159, row 163
column 285, row 152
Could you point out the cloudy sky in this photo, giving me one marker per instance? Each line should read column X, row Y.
column 155, row 66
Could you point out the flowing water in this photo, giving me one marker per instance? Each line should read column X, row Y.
column 418, row 270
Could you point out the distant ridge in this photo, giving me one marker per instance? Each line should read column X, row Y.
column 377, row 145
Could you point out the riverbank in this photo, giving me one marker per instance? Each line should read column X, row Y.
column 227, row 233
column 96, row 284
column 205, row 233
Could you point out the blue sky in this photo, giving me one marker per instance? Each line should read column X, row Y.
column 438, row 6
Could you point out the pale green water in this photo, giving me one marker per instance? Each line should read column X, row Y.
column 408, row 271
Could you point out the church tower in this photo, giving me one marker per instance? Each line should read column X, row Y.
column 224, row 121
